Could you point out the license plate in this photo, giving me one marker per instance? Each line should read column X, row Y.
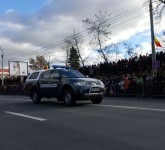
column 95, row 89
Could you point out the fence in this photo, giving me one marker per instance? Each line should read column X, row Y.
column 150, row 90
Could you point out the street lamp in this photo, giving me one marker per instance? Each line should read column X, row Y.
column 2, row 67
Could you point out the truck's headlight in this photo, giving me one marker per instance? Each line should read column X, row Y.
column 80, row 83
column 100, row 83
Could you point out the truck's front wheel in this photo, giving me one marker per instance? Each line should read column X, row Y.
column 68, row 97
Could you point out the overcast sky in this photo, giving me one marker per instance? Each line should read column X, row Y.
column 38, row 27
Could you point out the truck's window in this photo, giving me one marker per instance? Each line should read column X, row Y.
column 54, row 74
column 45, row 75
column 50, row 74
column 71, row 74
column 34, row 75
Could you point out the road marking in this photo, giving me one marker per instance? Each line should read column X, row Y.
column 129, row 107
column 14, row 99
column 25, row 116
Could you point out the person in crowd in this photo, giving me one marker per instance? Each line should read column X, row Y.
column 121, row 84
column 139, row 80
column 126, row 82
column 149, row 80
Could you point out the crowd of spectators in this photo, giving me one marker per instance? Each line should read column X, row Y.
column 131, row 75
column 12, row 85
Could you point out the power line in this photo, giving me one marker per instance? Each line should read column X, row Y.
column 113, row 19
column 80, row 33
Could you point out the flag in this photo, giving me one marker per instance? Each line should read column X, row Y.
column 157, row 43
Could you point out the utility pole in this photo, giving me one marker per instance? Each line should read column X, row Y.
column 2, row 67
column 152, row 38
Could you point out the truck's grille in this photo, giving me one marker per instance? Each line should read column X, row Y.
column 95, row 90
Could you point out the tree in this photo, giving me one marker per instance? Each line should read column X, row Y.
column 38, row 63
column 99, row 29
column 74, row 41
column 115, row 48
column 132, row 49
column 159, row 9
column 74, row 58
column 68, row 45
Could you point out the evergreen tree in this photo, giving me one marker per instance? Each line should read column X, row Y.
column 74, row 58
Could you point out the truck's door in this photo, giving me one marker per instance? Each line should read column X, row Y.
column 49, row 83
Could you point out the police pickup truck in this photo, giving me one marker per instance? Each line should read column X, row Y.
column 65, row 84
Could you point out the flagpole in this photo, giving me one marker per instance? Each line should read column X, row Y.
column 154, row 69
column 2, row 78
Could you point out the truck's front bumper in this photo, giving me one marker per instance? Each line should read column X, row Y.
column 90, row 92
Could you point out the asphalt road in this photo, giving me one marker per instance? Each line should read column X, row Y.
column 115, row 124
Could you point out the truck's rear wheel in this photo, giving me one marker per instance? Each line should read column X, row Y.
column 36, row 99
column 68, row 97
